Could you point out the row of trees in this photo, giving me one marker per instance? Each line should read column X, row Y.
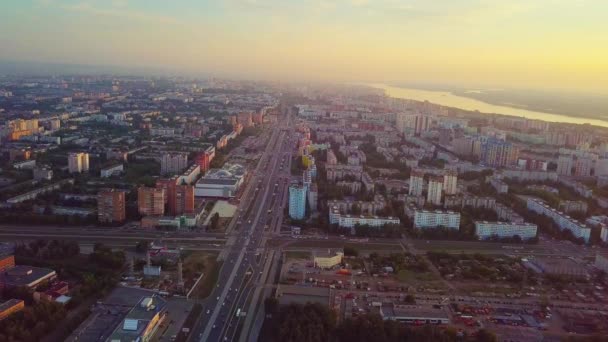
column 44, row 249
column 315, row 322
column 32, row 323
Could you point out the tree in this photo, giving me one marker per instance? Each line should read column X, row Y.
column 214, row 221
column 484, row 335
column 350, row 251
column 141, row 247
column 271, row 305
column 410, row 299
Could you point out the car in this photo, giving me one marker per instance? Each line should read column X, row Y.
column 218, row 298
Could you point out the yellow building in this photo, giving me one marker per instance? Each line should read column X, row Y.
column 328, row 258
column 10, row 307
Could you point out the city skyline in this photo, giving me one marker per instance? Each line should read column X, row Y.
column 521, row 44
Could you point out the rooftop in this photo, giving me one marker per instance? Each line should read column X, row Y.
column 22, row 275
column 137, row 320
column 9, row 304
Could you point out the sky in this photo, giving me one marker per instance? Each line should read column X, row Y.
column 525, row 44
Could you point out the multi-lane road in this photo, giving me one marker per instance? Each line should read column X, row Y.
column 245, row 260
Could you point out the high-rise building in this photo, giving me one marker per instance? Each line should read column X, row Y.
column 78, row 162
column 582, row 167
column 245, row 119
column 151, row 201
column 173, row 163
column 416, row 183
column 434, row 191
column 423, row 123
column 313, row 194
column 564, row 165
column 184, row 200
column 178, row 198
column 467, row 146
column 297, row 201
column 205, row 158
column 111, row 206
column 54, row 124
column 331, row 158
column 450, row 182
column 498, row 153
column 601, row 167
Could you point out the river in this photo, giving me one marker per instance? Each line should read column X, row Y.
column 450, row 100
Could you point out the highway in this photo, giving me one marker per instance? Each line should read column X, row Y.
column 245, row 259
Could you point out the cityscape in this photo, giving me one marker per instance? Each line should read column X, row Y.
column 140, row 204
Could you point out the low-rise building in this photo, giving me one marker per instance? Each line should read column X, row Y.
column 498, row 185
column 350, row 221
column 223, row 183
column 558, row 266
column 142, row 321
column 10, row 307
column 25, row 276
column 601, row 261
column 111, row 170
column 327, row 258
column 415, row 314
column 43, row 173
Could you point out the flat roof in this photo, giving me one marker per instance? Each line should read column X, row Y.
column 217, row 181
column 23, row 275
column 413, row 312
column 137, row 320
column 9, row 304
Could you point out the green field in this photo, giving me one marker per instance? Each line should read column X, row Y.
column 364, row 246
column 409, row 276
column 297, row 255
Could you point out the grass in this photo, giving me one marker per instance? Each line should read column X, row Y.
column 375, row 246
column 205, row 287
column 367, row 246
column 196, row 262
column 409, row 276
column 468, row 247
column 297, row 255
column 197, row 309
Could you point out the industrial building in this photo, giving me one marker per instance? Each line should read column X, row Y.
column 142, row 321
column 222, row 183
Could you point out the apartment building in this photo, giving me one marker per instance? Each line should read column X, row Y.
column 485, row 230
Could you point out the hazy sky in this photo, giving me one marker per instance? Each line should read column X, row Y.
column 521, row 43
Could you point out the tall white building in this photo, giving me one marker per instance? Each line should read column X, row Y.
column 78, row 162
column 450, row 183
column 173, row 163
column 564, row 165
column 297, row 201
column 434, row 191
column 582, row 167
column 485, row 230
column 601, row 167
column 416, row 183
